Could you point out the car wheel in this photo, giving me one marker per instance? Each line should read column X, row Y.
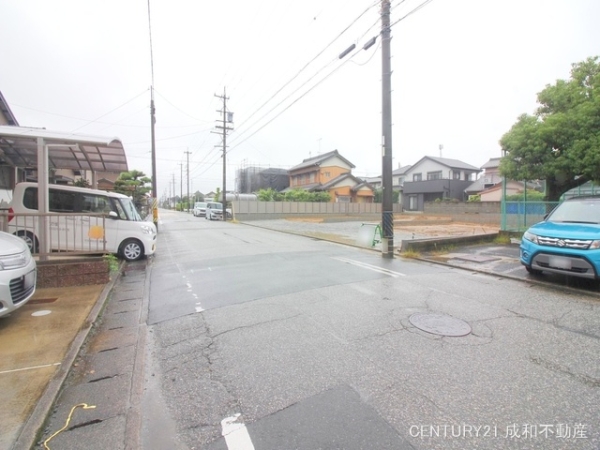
column 29, row 239
column 533, row 271
column 131, row 250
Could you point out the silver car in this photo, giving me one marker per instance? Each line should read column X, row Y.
column 18, row 273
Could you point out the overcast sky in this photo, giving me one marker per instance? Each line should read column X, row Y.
column 463, row 71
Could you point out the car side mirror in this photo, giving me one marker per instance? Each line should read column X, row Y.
column 113, row 215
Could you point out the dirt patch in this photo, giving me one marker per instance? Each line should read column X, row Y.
column 305, row 219
column 446, row 229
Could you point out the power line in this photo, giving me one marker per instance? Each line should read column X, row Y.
column 422, row 5
column 308, row 63
column 337, row 68
column 298, row 99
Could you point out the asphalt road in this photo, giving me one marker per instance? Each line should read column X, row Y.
column 282, row 341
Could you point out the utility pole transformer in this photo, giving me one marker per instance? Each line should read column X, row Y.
column 387, row 207
column 227, row 118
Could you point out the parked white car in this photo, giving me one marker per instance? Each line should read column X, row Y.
column 214, row 211
column 123, row 231
column 18, row 273
column 199, row 209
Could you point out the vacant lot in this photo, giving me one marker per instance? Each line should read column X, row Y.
column 348, row 231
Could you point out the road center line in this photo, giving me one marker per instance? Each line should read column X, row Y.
column 236, row 434
column 363, row 265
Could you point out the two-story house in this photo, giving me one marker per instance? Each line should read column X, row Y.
column 489, row 185
column 332, row 173
column 434, row 178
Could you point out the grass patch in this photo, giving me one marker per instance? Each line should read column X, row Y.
column 443, row 249
column 502, row 239
column 411, row 254
column 113, row 262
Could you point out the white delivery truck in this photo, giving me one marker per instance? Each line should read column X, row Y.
column 113, row 224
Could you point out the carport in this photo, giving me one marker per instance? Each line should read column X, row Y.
column 25, row 147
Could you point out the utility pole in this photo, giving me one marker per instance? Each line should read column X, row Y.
column 181, row 183
column 387, row 219
column 172, row 191
column 154, row 175
column 227, row 118
column 188, row 180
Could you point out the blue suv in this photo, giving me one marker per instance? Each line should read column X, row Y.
column 567, row 241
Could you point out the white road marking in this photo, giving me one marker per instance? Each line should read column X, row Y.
column 30, row 368
column 391, row 273
column 199, row 307
column 236, row 434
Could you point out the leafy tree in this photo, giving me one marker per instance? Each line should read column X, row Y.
column 267, row 195
column 135, row 184
column 379, row 196
column 560, row 143
column 81, row 182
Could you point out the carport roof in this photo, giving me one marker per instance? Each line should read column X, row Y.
column 19, row 147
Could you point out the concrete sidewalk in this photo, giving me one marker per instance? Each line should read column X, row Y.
column 42, row 362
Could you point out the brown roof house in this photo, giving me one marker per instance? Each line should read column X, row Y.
column 332, row 173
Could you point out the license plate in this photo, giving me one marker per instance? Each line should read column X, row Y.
column 29, row 279
column 560, row 262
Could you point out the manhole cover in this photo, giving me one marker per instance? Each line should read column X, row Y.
column 440, row 324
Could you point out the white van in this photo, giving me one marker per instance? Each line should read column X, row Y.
column 113, row 224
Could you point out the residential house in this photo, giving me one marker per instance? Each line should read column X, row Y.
column 434, row 178
column 490, row 177
column 494, row 193
column 398, row 176
column 330, row 172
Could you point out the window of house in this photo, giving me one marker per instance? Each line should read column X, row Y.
column 327, row 174
column 434, row 175
column 456, row 174
column 417, row 177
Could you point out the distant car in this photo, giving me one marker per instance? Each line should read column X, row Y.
column 199, row 209
column 567, row 241
column 214, row 211
column 18, row 273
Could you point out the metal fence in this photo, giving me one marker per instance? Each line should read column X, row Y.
column 65, row 233
column 517, row 216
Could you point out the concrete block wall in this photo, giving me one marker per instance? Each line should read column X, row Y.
column 65, row 273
